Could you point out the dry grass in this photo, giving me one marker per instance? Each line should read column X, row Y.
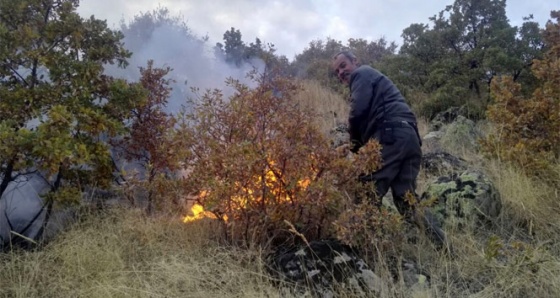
column 125, row 254
column 330, row 108
column 530, row 204
column 517, row 256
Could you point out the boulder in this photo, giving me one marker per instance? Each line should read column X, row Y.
column 453, row 131
column 23, row 211
column 446, row 117
column 24, row 222
column 442, row 163
column 461, row 135
column 314, row 270
column 413, row 277
column 463, row 200
column 431, row 142
column 320, row 266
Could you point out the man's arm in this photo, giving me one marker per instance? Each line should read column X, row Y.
column 361, row 90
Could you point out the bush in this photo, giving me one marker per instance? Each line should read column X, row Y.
column 148, row 145
column 258, row 163
column 527, row 130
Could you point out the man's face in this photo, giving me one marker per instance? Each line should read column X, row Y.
column 343, row 67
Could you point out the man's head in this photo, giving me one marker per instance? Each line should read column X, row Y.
column 344, row 63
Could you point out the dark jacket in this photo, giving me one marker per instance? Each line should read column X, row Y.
column 374, row 100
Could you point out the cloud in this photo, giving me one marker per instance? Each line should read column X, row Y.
column 292, row 24
column 279, row 22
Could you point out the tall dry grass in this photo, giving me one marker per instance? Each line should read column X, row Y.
column 331, row 109
column 122, row 253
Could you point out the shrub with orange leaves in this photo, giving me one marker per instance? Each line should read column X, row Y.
column 261, row 166
column 528, row 129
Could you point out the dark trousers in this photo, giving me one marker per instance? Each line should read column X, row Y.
column 401, row 155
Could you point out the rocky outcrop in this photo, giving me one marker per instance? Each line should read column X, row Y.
column 461, row 135
column 463, row 200
column 446, row 117
column 27, row 220
column 322, row 265
column 441, row 163
column 325, row 266
column 453, row 131
column 431, row 142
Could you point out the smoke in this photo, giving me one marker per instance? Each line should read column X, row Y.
column 191, row 59
column 168, row 45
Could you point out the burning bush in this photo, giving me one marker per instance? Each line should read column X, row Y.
column 257, row 163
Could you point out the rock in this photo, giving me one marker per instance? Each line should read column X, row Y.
column 322, row 265
column 460, row 135
column 413, row 277
column 23, row 212
column 339, row 135
column 432, row 141
column 466, row 199
column 446, row 117
column 453, row 131
column 442, row 163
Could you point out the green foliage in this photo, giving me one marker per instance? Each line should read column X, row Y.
column 256, row 161
column 527, row 130
column 453, row 61
column 235, row 52
column 56, row 105
column 314, row 63
column 234, row 48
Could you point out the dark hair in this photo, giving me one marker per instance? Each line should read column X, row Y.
column 347, row 54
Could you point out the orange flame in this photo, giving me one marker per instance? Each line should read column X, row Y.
column 270, row 181
column 198, row 213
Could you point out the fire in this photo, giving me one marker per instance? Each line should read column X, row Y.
column 240, row 202
column 198, row 213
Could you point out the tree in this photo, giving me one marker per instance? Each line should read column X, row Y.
column 255, row 49
column 165, row 38
column 371, row 52
column 468, row 45
column 140, row 30
column 233, row 48
column 315, row 61
column 238, row 54
column 527, row 128
column 149, row 142
column 57, row 107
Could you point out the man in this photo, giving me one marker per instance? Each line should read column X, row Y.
column 379, row 111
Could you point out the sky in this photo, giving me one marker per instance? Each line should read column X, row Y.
column 291, row 24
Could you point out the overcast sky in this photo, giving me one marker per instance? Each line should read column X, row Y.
column 291, row 24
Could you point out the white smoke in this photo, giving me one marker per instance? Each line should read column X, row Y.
column 192, row 61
